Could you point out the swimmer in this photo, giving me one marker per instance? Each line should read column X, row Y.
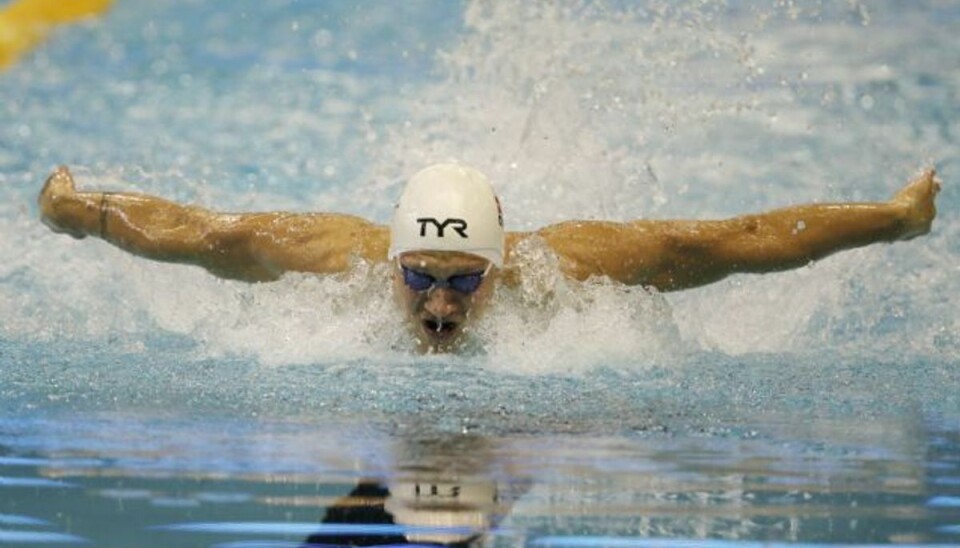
column 447, row 247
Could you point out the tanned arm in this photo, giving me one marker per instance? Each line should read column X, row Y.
column 250, row 247
column 672, row 255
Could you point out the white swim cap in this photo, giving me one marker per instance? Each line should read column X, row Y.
column 448, row 207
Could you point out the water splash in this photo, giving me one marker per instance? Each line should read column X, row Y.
column 549, row 324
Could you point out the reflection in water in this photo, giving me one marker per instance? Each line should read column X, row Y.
column 441, row 492
column 240, row 484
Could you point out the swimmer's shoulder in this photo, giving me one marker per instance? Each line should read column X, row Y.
column 528, row 249
column 510, row 275
column 629, row 253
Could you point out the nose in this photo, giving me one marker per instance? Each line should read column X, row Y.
column 442, row 302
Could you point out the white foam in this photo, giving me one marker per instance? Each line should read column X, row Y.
column 551, row 325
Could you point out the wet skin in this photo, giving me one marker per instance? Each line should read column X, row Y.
column 439, row 317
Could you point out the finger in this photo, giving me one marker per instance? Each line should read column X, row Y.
column 51, row 179
column 60, row 181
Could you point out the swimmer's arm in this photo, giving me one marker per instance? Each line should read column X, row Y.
column 250, row 247
column 672, row 255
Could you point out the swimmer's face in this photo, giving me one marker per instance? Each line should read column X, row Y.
column 439, row 314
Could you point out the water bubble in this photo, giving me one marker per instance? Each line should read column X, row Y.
column 322, row 38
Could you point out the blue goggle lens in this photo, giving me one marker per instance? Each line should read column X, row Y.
column 462, row 283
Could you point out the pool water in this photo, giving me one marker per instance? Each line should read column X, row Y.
column 146, row 404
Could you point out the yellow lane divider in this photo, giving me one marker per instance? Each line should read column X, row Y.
column 25, row 23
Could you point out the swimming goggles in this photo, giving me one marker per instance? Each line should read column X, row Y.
column 461, row 283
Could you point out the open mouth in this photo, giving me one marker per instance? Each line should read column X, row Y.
column 439, row 328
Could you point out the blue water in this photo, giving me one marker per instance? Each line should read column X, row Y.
column 149, row 404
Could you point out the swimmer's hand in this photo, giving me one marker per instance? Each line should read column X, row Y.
column 59, row 203
column 916, row 201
